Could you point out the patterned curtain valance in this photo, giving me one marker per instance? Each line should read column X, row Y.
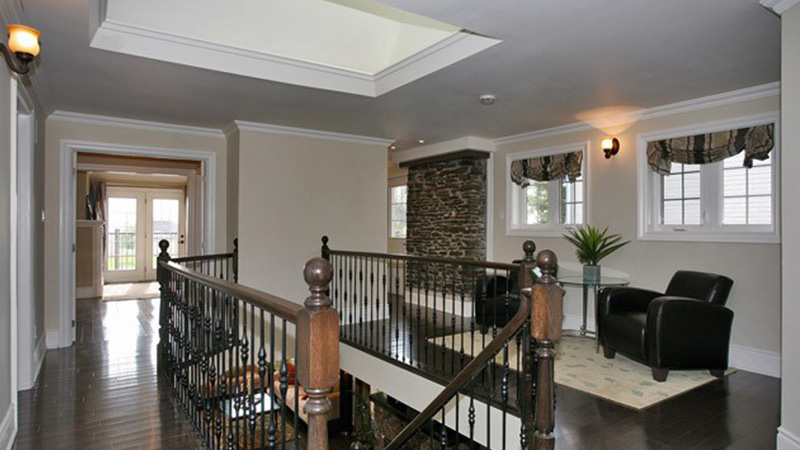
column 756, row 142
column 546, row 168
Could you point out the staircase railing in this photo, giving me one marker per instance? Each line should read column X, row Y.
column 222, row 265
column 485, row 330
column 245, row 366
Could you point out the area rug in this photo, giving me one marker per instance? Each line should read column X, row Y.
column 130, row 291
column 620, row 380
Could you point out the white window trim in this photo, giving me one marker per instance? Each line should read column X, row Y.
column 649, row 199
column 514, row 199
column 393, row 183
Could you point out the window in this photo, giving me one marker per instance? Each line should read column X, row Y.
column 398, row 195
column 716, row 202
column 680, row 195
column 546, row 208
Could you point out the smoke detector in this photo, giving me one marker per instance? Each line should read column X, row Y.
column 487, row 99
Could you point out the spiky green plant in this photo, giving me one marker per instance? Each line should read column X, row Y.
column 592, row 245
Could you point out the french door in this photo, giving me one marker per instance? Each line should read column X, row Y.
column 137, row 220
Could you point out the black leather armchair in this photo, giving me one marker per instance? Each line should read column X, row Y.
column 490, row 300
column 688, row 327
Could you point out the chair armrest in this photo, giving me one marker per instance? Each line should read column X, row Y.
column 625, row 299
column 686, row 332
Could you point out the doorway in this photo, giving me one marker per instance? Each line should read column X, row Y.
column 138, row 219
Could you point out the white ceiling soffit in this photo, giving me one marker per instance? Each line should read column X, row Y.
column 354, row 46
column 443, row 148
column 779, row 6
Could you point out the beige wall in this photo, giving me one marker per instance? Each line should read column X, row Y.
column 790, row 104
column 233, row 186
column 294, row 190
column 755, row 268
column 59, row 130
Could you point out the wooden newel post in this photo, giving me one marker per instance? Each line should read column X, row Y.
column 326, row 251
column 235, row 260
column 527, row 281
column 162, row 275
column 318, row 350
column 546, row 317
column 163, row 256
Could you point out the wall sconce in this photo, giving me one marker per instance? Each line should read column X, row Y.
column 610, row 147
column 24, row 43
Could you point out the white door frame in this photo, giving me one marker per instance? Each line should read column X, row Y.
column 66, row 256
column 30, row 353
column 12, row 288
column 193, row 193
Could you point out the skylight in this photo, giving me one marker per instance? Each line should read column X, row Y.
column 355, row 46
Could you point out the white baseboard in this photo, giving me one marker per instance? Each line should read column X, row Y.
column 787, row 441
column 38, row 356
column 742, row 358
column 574, row 323
column 8, row 428
column 85, row 292
column 52, row 339
column 755, row 360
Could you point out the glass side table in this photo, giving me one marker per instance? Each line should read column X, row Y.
column 594, row 286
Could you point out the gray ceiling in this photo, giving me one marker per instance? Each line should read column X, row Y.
column 557, row 58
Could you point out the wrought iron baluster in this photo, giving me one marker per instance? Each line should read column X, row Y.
column 432, row 335
column 272, row 430
column 504, row 391
column 284, row 380
column 362, row 304
column 388, row 306
column 262, row 372
column 370, row 264
column 425, row 334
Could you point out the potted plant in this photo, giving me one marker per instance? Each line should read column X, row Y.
column 592, row 245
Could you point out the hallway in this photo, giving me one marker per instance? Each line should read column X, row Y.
column 102, row 392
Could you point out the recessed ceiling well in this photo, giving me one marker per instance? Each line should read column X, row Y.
column 354, row 46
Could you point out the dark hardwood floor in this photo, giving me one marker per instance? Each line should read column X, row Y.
column 103, row 393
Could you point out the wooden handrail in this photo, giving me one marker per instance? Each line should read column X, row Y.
column 431, row 259
column 463, row 378
column 281, row 307
column 183, row 259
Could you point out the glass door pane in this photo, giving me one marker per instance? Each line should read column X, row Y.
column 166, row 225
column 121, row 231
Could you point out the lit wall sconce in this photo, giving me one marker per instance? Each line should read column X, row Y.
column 24, row 43
column 610, row 147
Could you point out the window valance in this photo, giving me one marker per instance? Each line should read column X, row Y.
column 546, row 168
column 757, row 142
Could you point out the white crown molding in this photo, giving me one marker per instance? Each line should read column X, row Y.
column 116, row 36
column 460, row 46
column 779, row 6
column 711, row 101
column 305, row 132
column 91, row 119
column 443, row 148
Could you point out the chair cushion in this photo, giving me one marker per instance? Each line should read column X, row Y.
column 625, row 332
column 702, row 286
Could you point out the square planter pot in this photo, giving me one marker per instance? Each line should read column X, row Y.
column 591, row 274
